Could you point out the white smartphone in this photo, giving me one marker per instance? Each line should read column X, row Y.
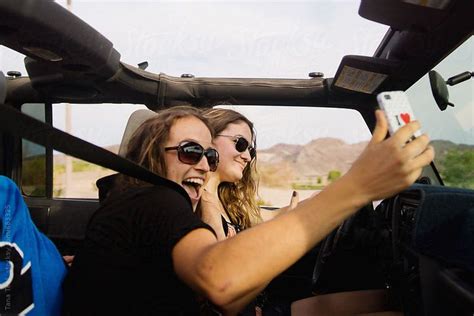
column 397, row 110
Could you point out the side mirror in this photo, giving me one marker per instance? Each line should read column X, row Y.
column 439, row 90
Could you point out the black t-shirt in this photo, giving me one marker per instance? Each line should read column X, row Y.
column 125, row 266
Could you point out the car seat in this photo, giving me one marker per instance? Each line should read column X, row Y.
column 134, row 121
column 104, row 184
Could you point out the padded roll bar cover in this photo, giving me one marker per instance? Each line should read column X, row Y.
column 57, row 39
column 134, row 121
column 3, row 87
column 403, row 15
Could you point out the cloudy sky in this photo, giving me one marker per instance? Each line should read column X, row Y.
column 234, row 39
column 280, row 39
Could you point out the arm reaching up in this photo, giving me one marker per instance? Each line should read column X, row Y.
column 231, row 271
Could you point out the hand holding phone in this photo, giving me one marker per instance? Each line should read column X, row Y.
column 397, row 110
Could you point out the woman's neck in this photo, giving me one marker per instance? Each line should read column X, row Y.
column 212, row 185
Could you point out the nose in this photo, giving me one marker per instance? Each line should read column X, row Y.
column 246, row 155
column 202, row 165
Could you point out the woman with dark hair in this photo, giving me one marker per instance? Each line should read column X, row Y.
column 125, row 266
column 145, row 250
column 149, row 148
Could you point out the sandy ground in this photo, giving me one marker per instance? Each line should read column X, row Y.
column 281, row 197
column 83, row 186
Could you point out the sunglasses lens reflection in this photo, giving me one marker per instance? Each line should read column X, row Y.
column 212, row 159
column 191, row 153
column 241, row 144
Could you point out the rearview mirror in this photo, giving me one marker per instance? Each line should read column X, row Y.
column 439, row 87
column 439, row 90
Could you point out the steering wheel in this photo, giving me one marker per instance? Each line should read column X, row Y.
column 356, row 247
column 328, row 247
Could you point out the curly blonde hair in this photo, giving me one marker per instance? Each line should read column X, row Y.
column 238, row 198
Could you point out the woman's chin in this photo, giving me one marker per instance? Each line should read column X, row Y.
column 239, row 175
column 233, row 176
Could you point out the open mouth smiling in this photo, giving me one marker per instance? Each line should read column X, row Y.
column 193, row 186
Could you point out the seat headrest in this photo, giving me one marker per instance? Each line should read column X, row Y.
column 3, row 88
column 134, row 121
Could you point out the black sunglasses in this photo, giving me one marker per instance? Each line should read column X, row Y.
column 241, row 145
column 191, row 153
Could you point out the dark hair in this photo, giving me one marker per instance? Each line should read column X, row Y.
column 146, row 146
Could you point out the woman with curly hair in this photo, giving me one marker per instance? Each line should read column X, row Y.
column 229, row 203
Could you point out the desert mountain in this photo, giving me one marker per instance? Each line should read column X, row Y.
column 284, row 164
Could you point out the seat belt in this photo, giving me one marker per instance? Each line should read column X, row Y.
column 17, row 123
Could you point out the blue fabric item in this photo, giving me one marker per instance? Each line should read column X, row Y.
column 31, row 268
column 444, row 226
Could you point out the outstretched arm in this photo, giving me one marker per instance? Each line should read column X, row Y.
column 231, row 271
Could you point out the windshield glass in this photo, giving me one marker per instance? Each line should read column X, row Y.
column 261, row 39
column 451, row 130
